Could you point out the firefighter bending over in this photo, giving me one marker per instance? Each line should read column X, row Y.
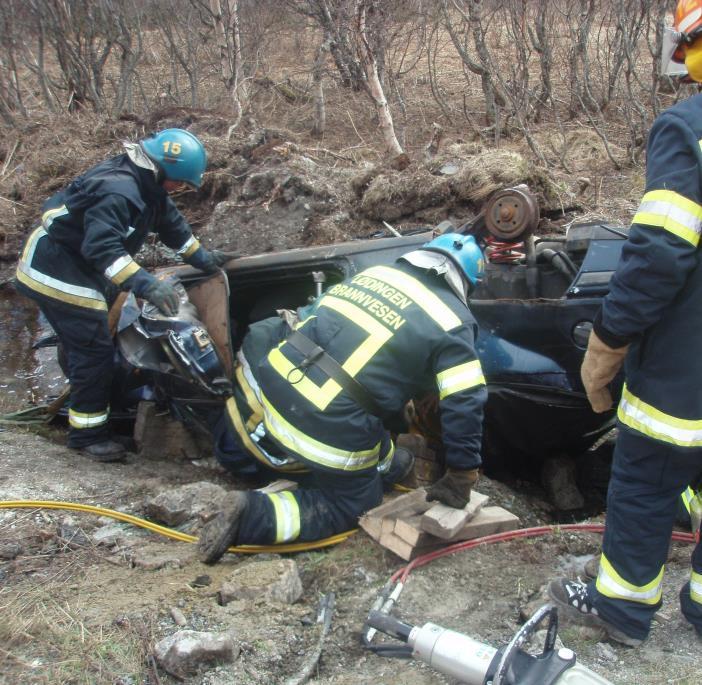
column 317, row 396
column 80, row 256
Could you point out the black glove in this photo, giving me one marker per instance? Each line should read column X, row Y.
column 164, row 296
column 209, row 261
column 453, row 488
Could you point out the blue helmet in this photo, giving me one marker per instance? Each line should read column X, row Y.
column 179, row 155
column 465, row 253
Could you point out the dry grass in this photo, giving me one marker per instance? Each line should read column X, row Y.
column 45, row 638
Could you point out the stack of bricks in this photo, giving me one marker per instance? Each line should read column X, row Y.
column 410, row 526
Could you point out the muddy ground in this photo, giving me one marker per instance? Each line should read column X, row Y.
column 79, row 611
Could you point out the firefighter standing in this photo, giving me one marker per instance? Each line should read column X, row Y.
column 317, row 395
column 651, row 322
column 83, row 250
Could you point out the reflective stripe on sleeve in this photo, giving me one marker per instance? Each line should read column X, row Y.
column 314, row 450
column 385, row 461
column 696, row 587
column 646, row 419
column 188, row 247
column 417, row 291
column 78, row 419
column 121, row 269
column 287, row 516
column 672, row 212
column 459, row 378
column 53, row 287
column 611, row 584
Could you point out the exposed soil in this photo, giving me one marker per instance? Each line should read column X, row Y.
column 79, row 612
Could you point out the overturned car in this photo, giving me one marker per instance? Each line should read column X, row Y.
column 535, row 309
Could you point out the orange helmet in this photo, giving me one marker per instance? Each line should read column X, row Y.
column 688, row 24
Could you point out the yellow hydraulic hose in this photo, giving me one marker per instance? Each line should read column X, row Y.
column 169, row 532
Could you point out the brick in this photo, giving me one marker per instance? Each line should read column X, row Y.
column 371, row 525
column 445, row 522
column 414, row 502
column 488, row 521
column 404, row 550
column 410, row 531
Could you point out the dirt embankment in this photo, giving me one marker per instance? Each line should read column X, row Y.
column 268, row 189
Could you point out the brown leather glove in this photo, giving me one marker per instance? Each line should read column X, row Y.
column 453, row 488
column 600, row 366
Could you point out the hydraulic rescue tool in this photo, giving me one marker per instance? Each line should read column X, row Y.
column 476, row 663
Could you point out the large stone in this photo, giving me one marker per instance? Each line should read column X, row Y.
column 185, row 503
column 10, row 550
column 159, row 436
column 276, row 580
column 559, row 479
column 182, row 653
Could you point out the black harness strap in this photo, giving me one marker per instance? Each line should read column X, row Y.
column 315, row 355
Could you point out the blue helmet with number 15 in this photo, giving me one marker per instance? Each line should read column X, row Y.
column 464, row 251
column 178, row 154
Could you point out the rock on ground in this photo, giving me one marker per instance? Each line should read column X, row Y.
column 182, row 653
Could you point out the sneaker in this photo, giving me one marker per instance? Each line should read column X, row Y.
column 401, row 466
column 572, row 596
column 219, row 533
column 104, row 451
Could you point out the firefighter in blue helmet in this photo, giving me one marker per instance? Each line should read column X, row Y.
column 319, row 395
column 82, row 252
column 651, row 322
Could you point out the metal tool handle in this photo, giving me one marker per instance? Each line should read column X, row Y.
column 523, row 634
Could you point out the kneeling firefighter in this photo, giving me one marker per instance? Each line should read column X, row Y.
column 80, row 256
column 318, row 395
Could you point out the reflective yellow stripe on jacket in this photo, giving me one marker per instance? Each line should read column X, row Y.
column 646, row 419
column 461, row 377
column 672, row 212
column 431, row 303
column 322, row 396
column 47, row 218
column 611, row 584
column 53, row 287
column 314, row 450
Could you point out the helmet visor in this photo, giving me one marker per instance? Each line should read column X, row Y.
column 672, row 58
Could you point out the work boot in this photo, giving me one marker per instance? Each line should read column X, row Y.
column 401, row 466
column 571, row 596
column 127, row 442
column 104, row 451
column 218, row 534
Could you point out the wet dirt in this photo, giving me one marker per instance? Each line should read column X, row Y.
column 26, row 376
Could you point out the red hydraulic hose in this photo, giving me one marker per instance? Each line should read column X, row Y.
column 401, row 574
